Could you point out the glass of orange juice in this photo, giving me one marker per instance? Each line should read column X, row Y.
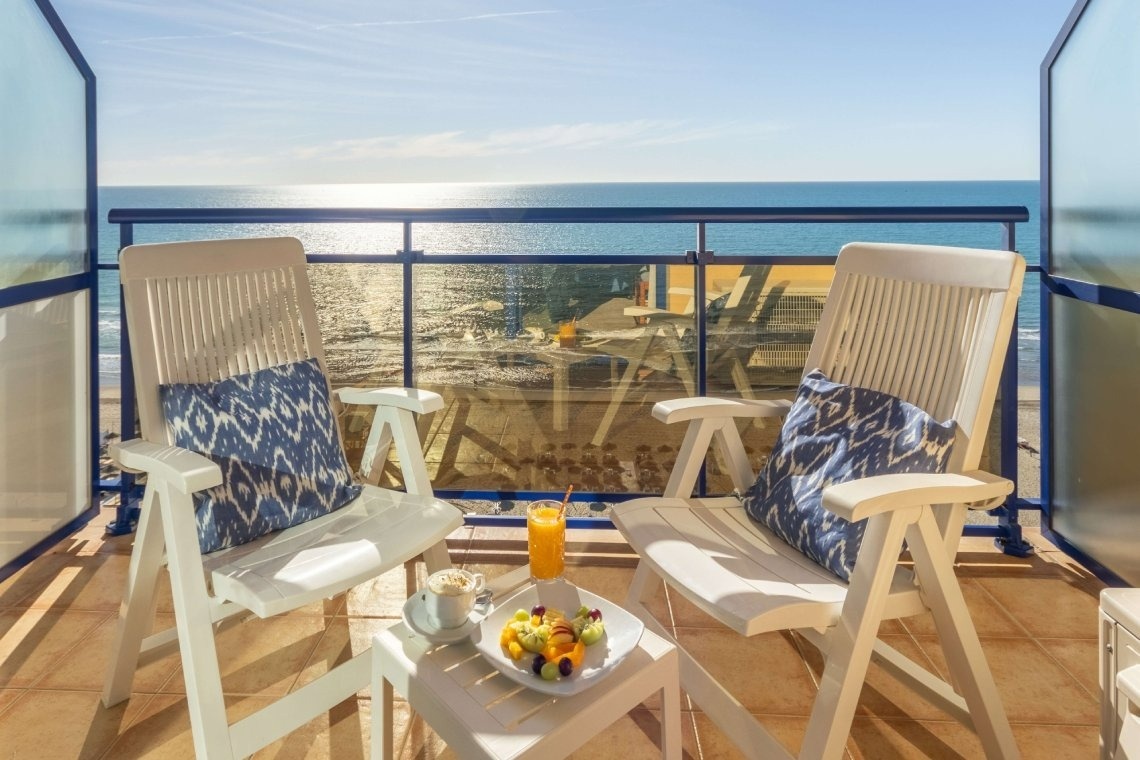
column 546, row 538
column 568, row 335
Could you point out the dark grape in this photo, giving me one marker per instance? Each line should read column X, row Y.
column 539, row 661
column 565, row 667
column 596, row 614
column 538, row 609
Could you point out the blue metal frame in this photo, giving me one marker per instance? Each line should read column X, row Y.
column 1008, row 531
column 1052, row 285
column 577, row 215
column 87, row 280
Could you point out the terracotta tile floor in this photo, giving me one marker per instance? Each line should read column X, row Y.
column 1036, row 616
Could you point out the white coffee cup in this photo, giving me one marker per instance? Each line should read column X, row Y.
column 449, row 596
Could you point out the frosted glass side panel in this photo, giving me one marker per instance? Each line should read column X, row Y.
column 1096, row 432
column 1094, row 117
column 43, row 158
column 44, row 420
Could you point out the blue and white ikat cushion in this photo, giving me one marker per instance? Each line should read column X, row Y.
column 274, row 434
column 834, row 433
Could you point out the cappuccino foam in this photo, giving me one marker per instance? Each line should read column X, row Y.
column 450, row 583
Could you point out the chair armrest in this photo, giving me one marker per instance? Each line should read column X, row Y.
column 685, row 409
column 859, row 499
column 186, row 470
column 412, row 399
column 654, row 313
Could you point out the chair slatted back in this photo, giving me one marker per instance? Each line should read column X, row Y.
column 204, row 311
column 929, row 329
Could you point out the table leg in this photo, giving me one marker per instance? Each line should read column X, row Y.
column 561, row 395
column 671, row 716
column 381, row 715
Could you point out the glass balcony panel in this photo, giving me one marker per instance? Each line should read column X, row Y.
column 43, row 158
column 554, row 239
column 360, row 312
column 1095, row 174
column 535, row 407
column 356, row 238
column 808, row 239
column 45, row 451
column 1096, row 431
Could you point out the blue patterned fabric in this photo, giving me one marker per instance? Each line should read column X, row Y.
column 273, row 432
column 835, row 433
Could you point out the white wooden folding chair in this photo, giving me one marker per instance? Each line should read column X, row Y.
column 204, row 311
column 926, row 324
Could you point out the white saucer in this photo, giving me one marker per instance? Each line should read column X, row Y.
column 416, row 618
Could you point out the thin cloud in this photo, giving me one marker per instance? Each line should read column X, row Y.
column 324, row 27
column 459, row 144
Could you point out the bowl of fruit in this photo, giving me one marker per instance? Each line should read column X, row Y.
column 556, row 638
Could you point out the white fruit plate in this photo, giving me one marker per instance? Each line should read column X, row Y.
column 623, row 631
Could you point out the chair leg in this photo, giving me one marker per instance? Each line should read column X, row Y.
column 376, row 449
column 959, row 639
column 852, row 640
column 633, row 364
column 407, row 439
column 436, row 557
column 744, row 385
column 644, row 585
column 671, row 716
column 136, row 613
column 205, row 700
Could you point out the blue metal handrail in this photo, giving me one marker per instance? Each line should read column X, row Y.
column 1007, row 532
column 576, row 215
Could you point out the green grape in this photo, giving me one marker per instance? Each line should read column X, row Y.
column 531, row 639
column 583, row 611
column 592, row 632
column 521, row 616
column 549, row 671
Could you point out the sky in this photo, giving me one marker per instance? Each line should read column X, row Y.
column 345, row 91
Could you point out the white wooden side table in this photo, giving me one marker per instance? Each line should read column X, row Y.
column 481, row 713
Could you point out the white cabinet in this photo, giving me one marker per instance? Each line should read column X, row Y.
column 1120, row 674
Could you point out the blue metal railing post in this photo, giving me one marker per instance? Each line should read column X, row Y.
column 1010, row 541
column 513, row 306
column 125, row 514
column 406, row 256
column 700, row 288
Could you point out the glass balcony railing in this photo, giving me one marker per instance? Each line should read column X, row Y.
column 549, row 363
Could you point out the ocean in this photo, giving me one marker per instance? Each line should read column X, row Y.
column 360, row 304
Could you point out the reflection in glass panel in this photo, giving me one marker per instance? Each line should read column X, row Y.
column 1095, row 166
column 550, row 373
column 43, row 166
column 360, row 312
column 760, row 321
column 1096, row 432
column 44, row 440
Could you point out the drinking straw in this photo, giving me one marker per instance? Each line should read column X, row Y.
column 565, row 499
